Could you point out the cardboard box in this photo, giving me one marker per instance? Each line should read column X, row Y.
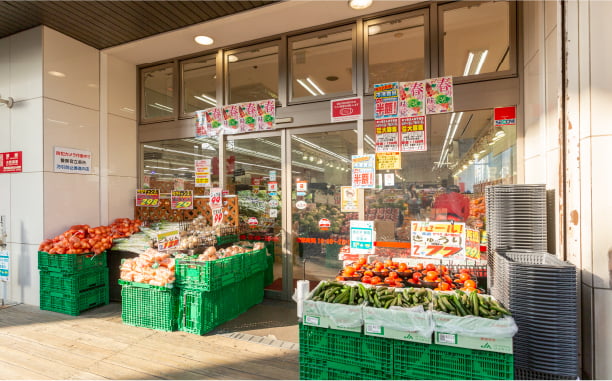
column 491, row 344
column 381, row 331
column 329, row 315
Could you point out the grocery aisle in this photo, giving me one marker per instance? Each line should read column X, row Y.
column 96, row 345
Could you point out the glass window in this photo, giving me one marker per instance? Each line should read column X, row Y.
column 199, row 84
column 158, row 92
column 322, row 64
column 168, row 161
column 476, row 38
column 396, row 49
column 253, row 74
column 465, row 153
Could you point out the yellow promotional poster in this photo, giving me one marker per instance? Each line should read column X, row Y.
column 388, row 160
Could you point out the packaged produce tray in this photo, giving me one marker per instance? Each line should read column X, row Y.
column 149, row 307
column 73, row 304
column 70, row 263
column 75, row 283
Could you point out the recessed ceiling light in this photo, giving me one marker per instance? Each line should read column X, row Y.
column 360, row 4
column 232, row 58
column 331, row 78
column 204, row 40
column 56, row 74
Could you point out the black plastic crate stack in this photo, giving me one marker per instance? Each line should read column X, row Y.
column 516, row 219
column 541, row 292
column 72, row 283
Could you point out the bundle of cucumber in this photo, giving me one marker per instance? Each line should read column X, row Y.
column 385, row 297
column 460, row 303
column 339, row 293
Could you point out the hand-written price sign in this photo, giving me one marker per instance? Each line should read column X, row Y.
column 217, row 216
column 215, row 198
column 472, row 244
column 438, row 239
column 147, row 197
column 168, row 240
column 181, row 199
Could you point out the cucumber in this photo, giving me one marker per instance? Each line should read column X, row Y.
column 351, row 296
column 388, row 303
column 475, row 304
column 386, row 297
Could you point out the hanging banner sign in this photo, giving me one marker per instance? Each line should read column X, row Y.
column 388, row 160
column 203, row 173
column 349, row 202
column 362, row 237
column 216, row 200
column 439, row 93
column 413, row 134
column 181, row 199
column 438, row 239
column 343, row 110
column 385, row 100
column 4, row 265
column 387, row 135
column 68, row 160
column 179, row 184
column 11, row 162
column 267, row 114
column 236, row 118
column 389, row 179
column 231, row 119
column 411, row 98
column 217, row 216
column 168, row 240
column 147, row 197
column 505, row 116
column 363, row 171
column 272, row 186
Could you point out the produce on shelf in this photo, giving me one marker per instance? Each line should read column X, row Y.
column 211, row 253
column 339, row 293
column 151, row 267
column 461, row 303
column 384, row 297
column 477, row 207
column 309, row 219
column 81, row 239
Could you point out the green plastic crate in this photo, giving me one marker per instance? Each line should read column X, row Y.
column 209, row 275
column 201, row 311
column 355, row 348
column 226, row 239
column 315, row 368
column 269, row 272
column 251, row 291
column 75, row 283
column 73, row 304
column 70, row 263
column 411, row 361
column 254, row 262
column 149, row 307
column 144, row 285
column 452, row 363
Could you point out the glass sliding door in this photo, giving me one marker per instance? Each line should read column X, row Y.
column 320, row 166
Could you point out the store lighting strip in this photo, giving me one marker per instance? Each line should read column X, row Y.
column 171, row 169
column 161, row 107
column 176, row 151
column 369, row 140
column 315, row 85
column 307, row 88
column 478, row 57
column 312, row 145
column 450, row 135
column 206, row 99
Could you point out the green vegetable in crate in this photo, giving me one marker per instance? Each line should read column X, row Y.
column 385, row 297
column 339, row 293
column 461, row 303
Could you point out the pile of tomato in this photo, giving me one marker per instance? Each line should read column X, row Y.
column 399, row 274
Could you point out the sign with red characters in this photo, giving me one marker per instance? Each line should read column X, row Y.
column 11, row 162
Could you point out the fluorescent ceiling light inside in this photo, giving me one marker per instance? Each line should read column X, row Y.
column 359, row 4
column 306, row 87
column 232, row 58
column 315, row 86
column 474, row 62
column 204, row 40
column 161, row 107
column 374, row 29
column 56, row 74
column 468, row 64
column 206, row 100
column 481, row 61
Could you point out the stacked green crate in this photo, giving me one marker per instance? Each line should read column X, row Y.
column 72, row 283
column 147, row 306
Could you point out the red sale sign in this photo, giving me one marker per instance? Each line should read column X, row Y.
column 346, row 109
column 11, row 162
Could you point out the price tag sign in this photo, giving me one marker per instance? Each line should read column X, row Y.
column 215, row 198
column 217, row 216
column 147, row 197
column 168, row 240
column 4, row 265
column 362, row 237
column 181, row 199
column 431, row 239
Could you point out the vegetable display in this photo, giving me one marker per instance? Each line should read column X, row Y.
column 81, row 239
column 339, row 293
column 150, row 267
column 384, row 297
column 461, row 303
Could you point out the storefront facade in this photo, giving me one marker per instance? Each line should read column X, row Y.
column 536, row 62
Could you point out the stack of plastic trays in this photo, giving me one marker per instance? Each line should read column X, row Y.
column 516, row 219
column 541, row 292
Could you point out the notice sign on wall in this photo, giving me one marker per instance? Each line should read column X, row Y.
column 202, row 173
column 388, row 160
column 413, row 134
column 363, row 171
column 68, row 160
column 387, row 136
column 11, row 162
column 343, row 110
column 4, row 265
column 181, row 199
column 385, row 100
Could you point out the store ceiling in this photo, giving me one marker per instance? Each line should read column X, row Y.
column 104, row 24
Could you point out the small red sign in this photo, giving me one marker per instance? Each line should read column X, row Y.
column 505, row 116
column 11, row 162
column 256, row 181
column 253, row 221
column 324, row 224
column 346, row 109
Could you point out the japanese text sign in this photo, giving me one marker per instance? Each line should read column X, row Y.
column 438, row 239
column 363, row 171
column 217, row 216
column 413, row 134
column 168, row 240
column 11, row 162
column 236, row 118
column 472, row 244
column 68, row 160
column 147, row 197
column 203, row 172
column 216, row 200
column 343, row 110
column 387, row 134
column 505, row 116
column 362, row 237
column 385, row 100
column 388, row 160
column 439, row 93
column 411, row 98
column 181, row 199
